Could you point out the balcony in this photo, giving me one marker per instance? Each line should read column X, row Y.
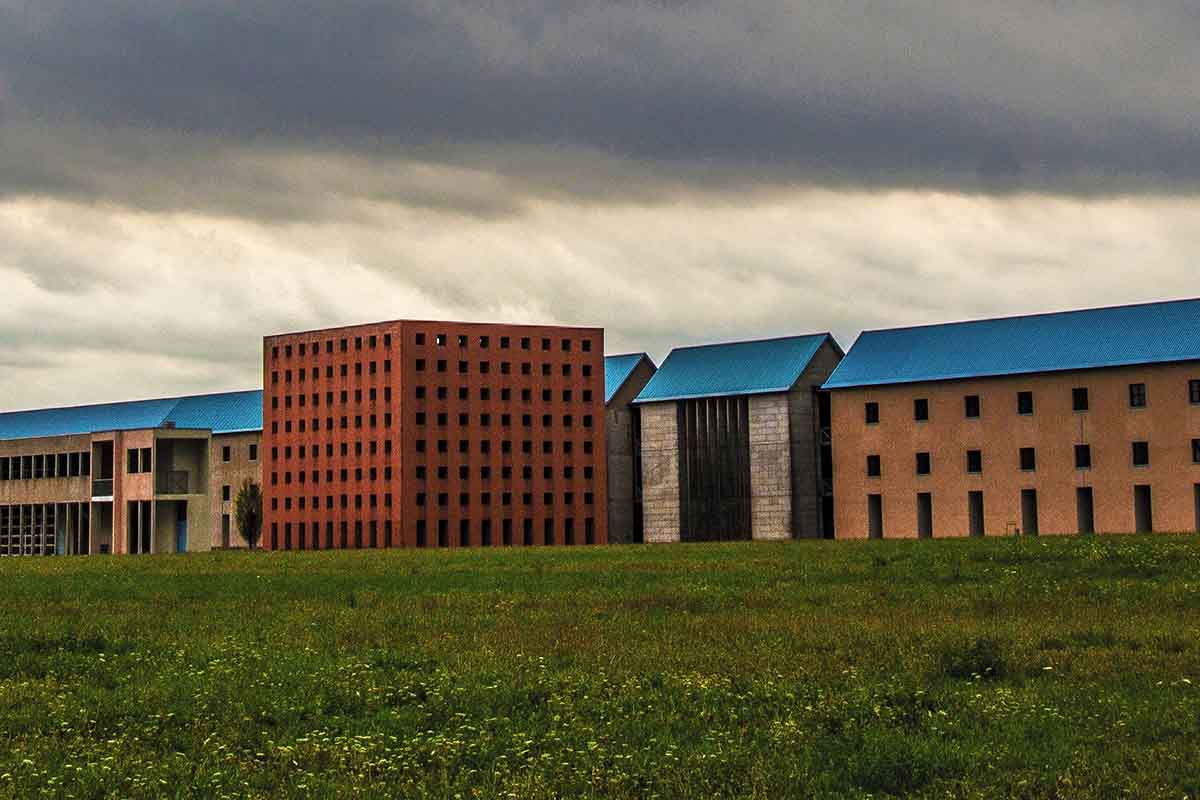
column 175, row 481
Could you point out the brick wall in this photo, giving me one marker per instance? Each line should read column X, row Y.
column 1168, row 423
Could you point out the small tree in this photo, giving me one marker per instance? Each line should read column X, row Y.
column 247, row 509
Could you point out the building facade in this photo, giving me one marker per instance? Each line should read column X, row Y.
column 624, row 378
column 1076, row 422
column 733, row 442
column 434, row 434
column 126, row 478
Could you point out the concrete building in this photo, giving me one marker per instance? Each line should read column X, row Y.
column 734, row 441
column 152, row 476
column 624, row 378
column 435, row 434
column 1083, row 421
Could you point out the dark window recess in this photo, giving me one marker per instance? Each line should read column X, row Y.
column 872, row 413
column 1028, row 459
column 1194, row 392
column 921, row 409
column 1024, row 402
column 1079, row 399
column 1196, row 451
column 873, row 466
column 1029, row 512
column 975, row 512
column 1083, row 456
column 1141, row 454
column 1137, row 395
column 1085, row 510
column 972, row 406
column 975, row 461
column 923, row 464
column 875, row 516
column 1143, row 509
column 925, row 515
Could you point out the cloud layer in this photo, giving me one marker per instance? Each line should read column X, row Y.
column 178, row 179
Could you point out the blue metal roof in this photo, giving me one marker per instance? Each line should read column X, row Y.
column 1102, row 337
column 229, row 412
column 617, row 370
column 717, row 370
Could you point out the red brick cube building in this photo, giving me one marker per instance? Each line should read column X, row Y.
column 434, row 434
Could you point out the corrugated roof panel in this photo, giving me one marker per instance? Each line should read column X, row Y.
column 717, row 370
column 221, row 413
column 1087, row 339
column 617, row 370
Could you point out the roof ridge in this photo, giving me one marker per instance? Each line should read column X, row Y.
column 750, row 341
column 1033, row 315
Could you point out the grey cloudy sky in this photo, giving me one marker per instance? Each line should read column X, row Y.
column 178, row 179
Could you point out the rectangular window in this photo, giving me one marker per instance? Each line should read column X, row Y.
column 925, row 515
column 254, row 452
column 1029, row 512
column 873, row 467
column 226, row 493
column 1137, row 395
column 975, row 512
column 921, row 409
column 1141, row 454
column 971, row 402
column 872, row 413
column 1028, row 459
column 1085, row 510
column 875, row 516
column 1025, row 403
column 1079, row 398
column 1143, row 510
column 975, row 461
column 1083, row 456
column 1196, row 451
column 132, row 467
column 923, row 464
column 1194, row 392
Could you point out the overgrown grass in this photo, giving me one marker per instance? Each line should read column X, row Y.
column 1002, row 668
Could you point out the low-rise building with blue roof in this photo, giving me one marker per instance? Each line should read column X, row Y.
column 624, row 378
column 733, row 443
column 1064, row 422
column 144, row 476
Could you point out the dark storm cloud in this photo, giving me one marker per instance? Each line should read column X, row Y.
column 1050, row 96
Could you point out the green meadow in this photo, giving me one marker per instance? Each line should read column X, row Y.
column 1024, row 668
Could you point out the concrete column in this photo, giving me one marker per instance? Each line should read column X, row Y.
column 660, row 472
column 770, row 468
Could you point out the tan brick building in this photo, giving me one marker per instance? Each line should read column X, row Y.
column 624, row 378
column 733, row 442
column 139, row 477
column 1085, row 421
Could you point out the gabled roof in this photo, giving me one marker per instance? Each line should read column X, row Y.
column 736, row 368
column 617, row 370
column 1151, row 333
column 228, row 412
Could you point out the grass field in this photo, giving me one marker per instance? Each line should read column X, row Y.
column 999, row 668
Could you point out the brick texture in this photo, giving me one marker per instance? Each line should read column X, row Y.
column 1168, row 423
